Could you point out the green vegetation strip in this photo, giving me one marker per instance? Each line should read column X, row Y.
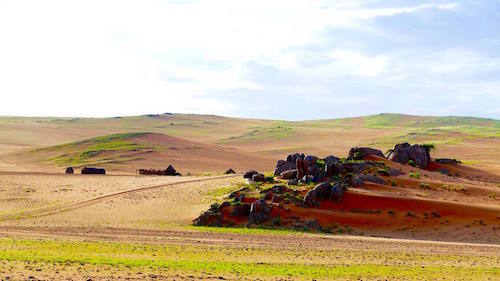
column 251, row 261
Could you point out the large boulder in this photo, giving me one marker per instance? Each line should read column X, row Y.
column 333, row 166
column 336, row 192
column 258, row 177
column 289, row 174
column 69, row 170
column 354, row 168
column 404, row 152
column 308, row 167
column 259, row 212
column 360, row 180
column 288, row 164
column 170, row 171
column 241, row 210
column 447, row 161
column 249, row 174
column 319, row 193
column 230, row 171
column 359, row 153
column 93, row 171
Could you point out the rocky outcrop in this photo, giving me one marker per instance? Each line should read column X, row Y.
column 93, row 171
column 289, row 164
column 259, row 212
column 308, row 167
column 359, row 153
column 404, row 153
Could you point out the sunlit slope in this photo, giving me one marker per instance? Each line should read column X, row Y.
column 131, row 151
column 476, row 140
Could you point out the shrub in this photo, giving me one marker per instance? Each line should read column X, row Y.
column 415, row 175
column 429, row 146
column 450, row 187
column 393, row 183
column 424, row 185
column 411, row 163
column 410, row 214
column 384, row 171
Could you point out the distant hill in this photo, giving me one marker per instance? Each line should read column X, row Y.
column 131, row 151
column 476, row 140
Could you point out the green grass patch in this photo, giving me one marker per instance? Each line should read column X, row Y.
column 90, row 151
column 293, row 263
column 278, row 130
column 383, row 120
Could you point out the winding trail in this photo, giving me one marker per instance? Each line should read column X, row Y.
column 42, row 212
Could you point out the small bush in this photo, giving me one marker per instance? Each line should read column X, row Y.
column 450, row 187
column 393, row 183
column 429, row 146
column 415, row 175
column 410, row 214
column 411, row 163
column 424, row 185
column 384, row 171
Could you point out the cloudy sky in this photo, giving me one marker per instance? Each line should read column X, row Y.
column 268, row 59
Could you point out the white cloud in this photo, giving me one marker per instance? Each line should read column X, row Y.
column 107, row 57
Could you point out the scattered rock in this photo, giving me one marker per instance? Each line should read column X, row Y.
column 404, row 152
column 359, row 153
column 358, row 180
column 307, row 225
column 258, row 177
column 395, row 172
column 170, row 171
column 230, row 171
column 249, row 174
column 279, row 189
column 276, row 198
column 447, row 161
column 289, row 174
column 259, row 212
column 93, row 171
column 241, row 210
column 69, row 170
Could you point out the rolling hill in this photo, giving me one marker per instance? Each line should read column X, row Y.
column 473, row 140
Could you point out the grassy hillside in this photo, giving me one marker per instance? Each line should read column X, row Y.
column 132, row 151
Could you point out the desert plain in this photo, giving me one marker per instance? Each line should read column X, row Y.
column 421, row 225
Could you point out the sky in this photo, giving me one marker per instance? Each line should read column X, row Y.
column 292, row 60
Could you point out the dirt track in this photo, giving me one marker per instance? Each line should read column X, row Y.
column 68, row 207
column 278, row 241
